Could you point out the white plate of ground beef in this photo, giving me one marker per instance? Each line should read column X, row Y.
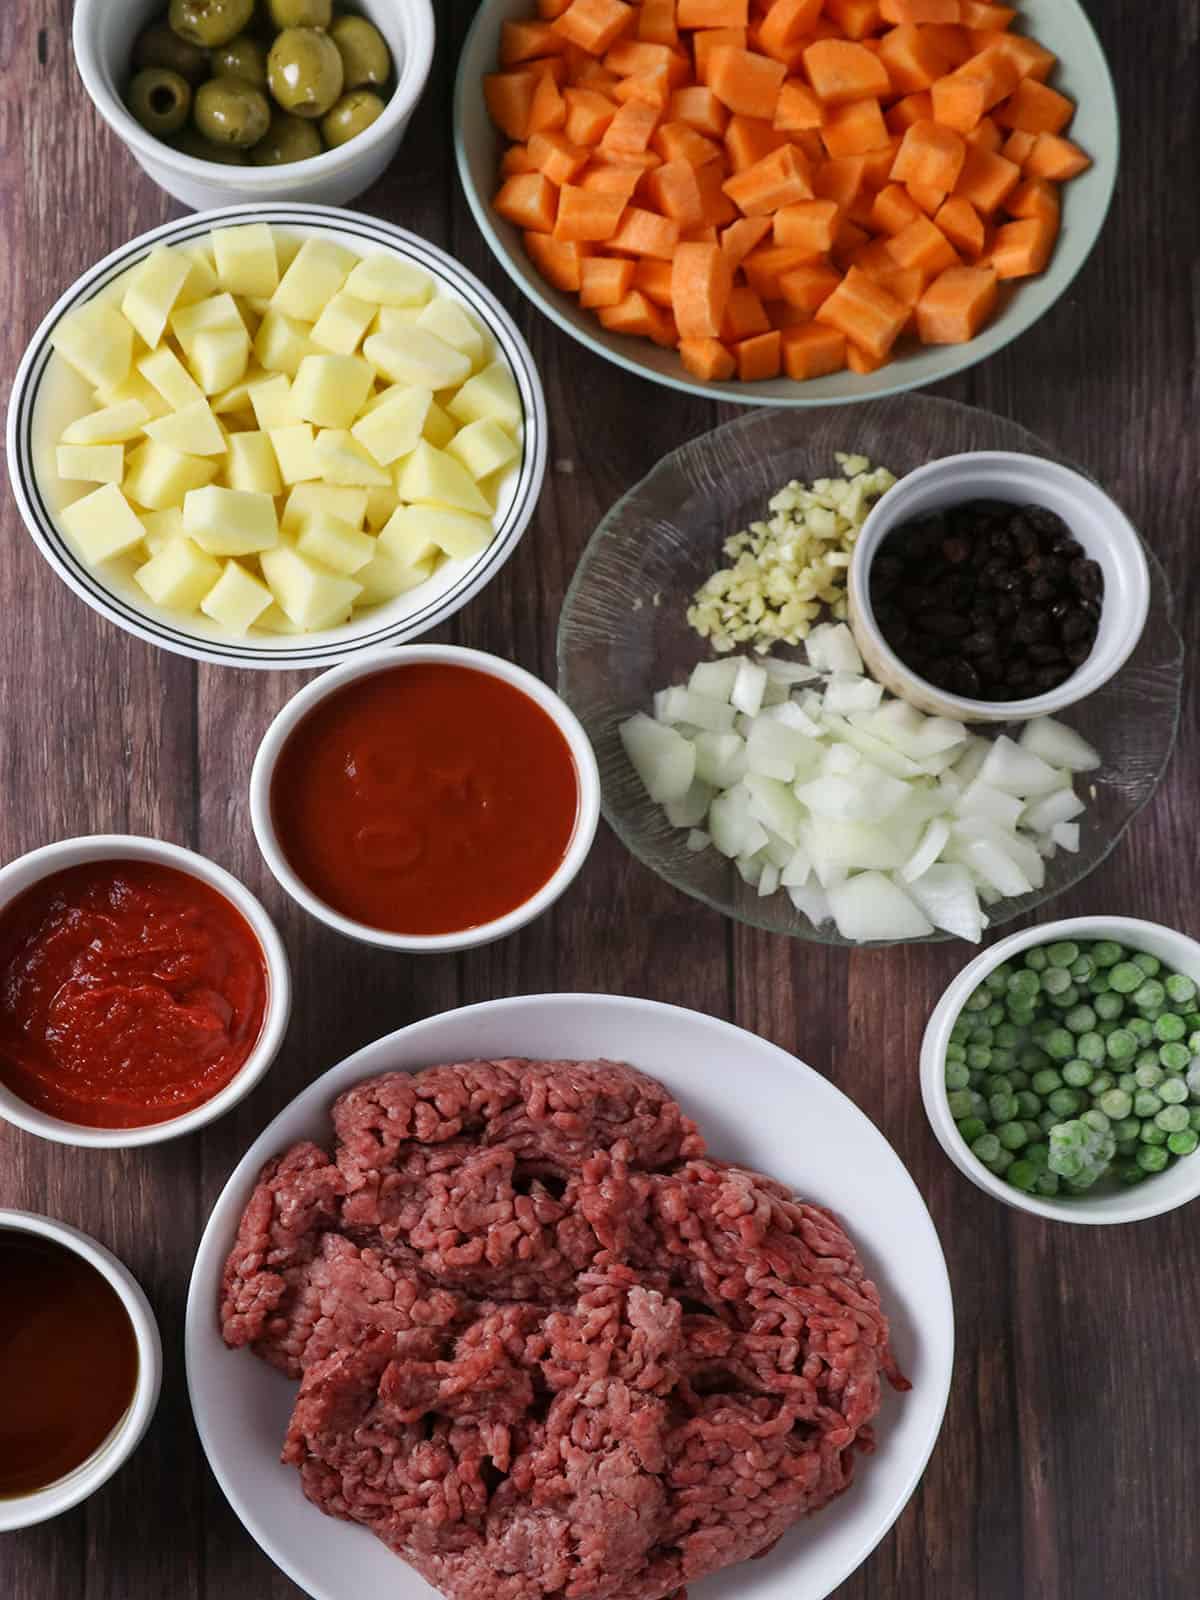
column 504, row 1306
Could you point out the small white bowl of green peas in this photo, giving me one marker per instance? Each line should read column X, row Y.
column 1061, row 1070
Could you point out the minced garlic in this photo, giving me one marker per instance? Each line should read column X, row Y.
column 788, row 571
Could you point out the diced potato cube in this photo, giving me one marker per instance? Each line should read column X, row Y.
column 389, row 281
column 413, row 356
column 432, row 476
column 308, row 500
column 252, row 465
column 296, row 452
column 406, row 540
column 273, row 620
column 193, row 431
column 313, row 278
column 380, row 505
column 396, row 319
column 282, row 343
column 132, row 387
column 342, row 324
column 161, row 527
column 335, row 544
column 483, row 447
column 102, row 524
column 179, row 574
column 236, row 599
column 287, row 247
column 163, row 369
column 153, row 288
column 97, row 341
column 449, row 321
column 110, row 425
column 235, row 400
column 491, row 486
column 393, row 428
column 201, row 281
column 344, row 461
column 251, row 318
column 330, row 390
column 230, row 522
column 271, row 399
column 246, row 260
column 157, row 476
column 91, row 463
column 385, row 578
column 415, row 528
column 206, row 316
column 490, row 393
column 310, row 595
column 219, row 357
column 440, row 427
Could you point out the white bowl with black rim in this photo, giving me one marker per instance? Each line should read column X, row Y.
column 47, row 395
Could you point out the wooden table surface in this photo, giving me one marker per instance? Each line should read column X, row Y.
column 1066, row 1468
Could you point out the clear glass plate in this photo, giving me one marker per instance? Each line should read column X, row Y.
column 623, row 633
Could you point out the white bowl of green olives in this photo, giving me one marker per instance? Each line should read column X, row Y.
column 1061, row 1070
column 223, row 101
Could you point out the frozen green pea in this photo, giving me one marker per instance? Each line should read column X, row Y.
column 1003, row 1107
column 1107, row 1026
column 982, row 1035
column 1012, row 1135
column 1083, row 968
column 997, row 979
column 1007, row 1036
column 1175, row 1057
column 1108, row 1006
column 1000, row 1162
column 1130, row 1174
column 979, row 1001
column 1022, row 1175
column 1032, row 1131
column 1062, row 953
column 1077, row 1074
column 1080, row 1019
column 1098, row 983
column 1102, row 1081
column 1066, row 999
column 1024, row 983
column 1169, row 1028
column 997, row 1083
column 979, row 1057
column 1047, row 1184
column 1151, row 1159
column 1020, row 1014
column 1046, row 1081
column 1047, row 1120
column 1183, row 1143
column 994, row 1015
column 1194, row 1117
column 1065, row 1163
column 1090, row 1046
column 1125, row 1148
column 1171, row 1119
column 1064, row 1102
column 1146, row 1103
column 1127, row 1130
column 1125, row 977
column 1096, row 1120
column 1018, row 1079
column 971, row 1127
column 1055, row 980
column 1141, row 1028
column 1036, row 959
column 1173, row 1092
column 1149, row 995
column 1151, row 1133
column 957, row 1075
column 1193, row 1043
column 1037, row 1151
column 1149, row 964
column 1028, row 1104
column 1115, row 1103
column 1180, row 990
column 1106, row 953
column 1148, row 1075
column 1128, row 1082
column 1031, row 1058
column 986, row 1147
column 1060, row 1045
column 961, row 1103
column 1121, row 1045
column 1041, row 1027
column 955, row 1052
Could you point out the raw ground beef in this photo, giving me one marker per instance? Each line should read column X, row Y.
column 547, row 1348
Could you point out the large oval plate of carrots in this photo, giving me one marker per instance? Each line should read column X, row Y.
column 788, row 202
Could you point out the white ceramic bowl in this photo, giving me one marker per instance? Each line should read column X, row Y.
column 1061, row 25
column 22, row 1511
column 27, row 870
column 1163, row 1191
column 47, row 395
column 759, row 1107
column 103, row 35
column 1097, row 522
column 586, row 819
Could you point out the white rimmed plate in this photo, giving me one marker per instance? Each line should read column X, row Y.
column 757, row 1105
column 47, row 394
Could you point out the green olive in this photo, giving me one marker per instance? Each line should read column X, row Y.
column 304, row 71
column 243, row 58
column 300, row 13
column 157, row 46
column 353, row 114
column 209, row 22
column 230, row 112
column 364, row 52
column 288, row 139
column 160, row 100
column 192, row 143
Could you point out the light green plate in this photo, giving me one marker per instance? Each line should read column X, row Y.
column 1083, row 74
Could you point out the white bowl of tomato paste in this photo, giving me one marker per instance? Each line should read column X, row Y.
column 425, row 799
column 143, row 991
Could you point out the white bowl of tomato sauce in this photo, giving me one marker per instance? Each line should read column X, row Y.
column 143, row 991
column 425, row 799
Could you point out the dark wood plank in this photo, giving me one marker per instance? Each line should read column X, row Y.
column 1064, row 1470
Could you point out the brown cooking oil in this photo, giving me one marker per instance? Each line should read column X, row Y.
column 68, row 1361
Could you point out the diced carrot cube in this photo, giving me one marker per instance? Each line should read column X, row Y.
column 797, row 110
column 987, row 180
column 955, row 43
column 962, row 225
column 839, row 179
column 913, row 61
column 873, row 258
column 854, row 129
column 675, row 141
column 719, row 209
column 706, row 40
column 912, row 108
column 631, row 128
column 866, row 313
column 1035, row 197
column 558, row 260
column 515, row 159
column 808, row 285
column 749, row 139
column 765, row 268
column 841, row 71
column 656, row 22
column 707, row 359
column 645, row 233
column 593, row 74
column 759, row 358
column 1018, row 147
column 855, row 18
column 813, row 351
column 745, row 315
column 917, row 11
column 922, row 244
column 587, row 215
column 956, row 305
column 595, row 25
column 700, row 285
column 985, row 135
column 745, row 82
column 621, row 181
column 878, row 163
column 962, row 97
column 604, row 280
column 893, row 209
column 928, row 200
column 978, row 14
column 1022, row 249
column 786, row 23
column 777, row 180
column 808, row 225
column 673, row 190
column 633, row 58
column 509, row 99
column 863, row 364
column 654, row 88
column 906, row 284
column 808, row 142
column 653, row 279
column 742, row 236
column 549, row 9
column 1031, row 59
column 1033, row 107
column 635, row 315
column 712, row 13
column 526, row 41
column 548, row 109
column 588, row 115
column 1056, row 158
column 556, row 157
column 700, row 235
column 698, row 107
column 931, row 155
column 528, row 200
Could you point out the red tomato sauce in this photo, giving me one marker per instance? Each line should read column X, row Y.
column 129, row 993
column 425, row 799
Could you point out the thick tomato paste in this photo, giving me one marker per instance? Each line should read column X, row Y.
column 425, row 799
column 129, row 993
